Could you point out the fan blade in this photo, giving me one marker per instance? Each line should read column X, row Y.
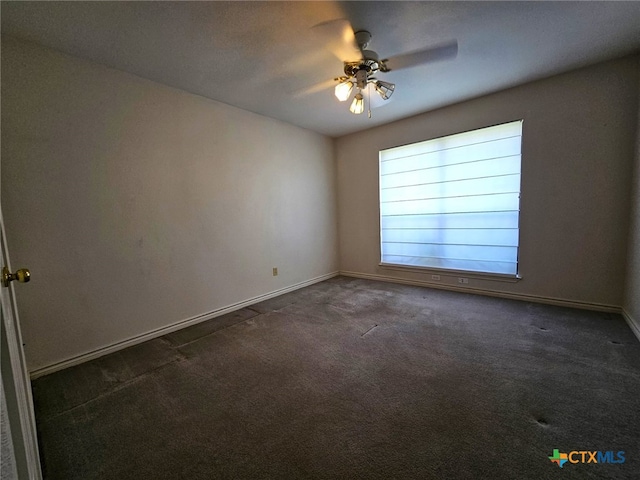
column 337, row 36
column 433, row 54
column 318, row 87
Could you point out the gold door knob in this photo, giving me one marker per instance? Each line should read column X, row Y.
column 23, row 276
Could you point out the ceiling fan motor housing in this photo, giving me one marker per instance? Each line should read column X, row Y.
column 369, row 64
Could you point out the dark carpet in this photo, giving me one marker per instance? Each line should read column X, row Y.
column 354, row 379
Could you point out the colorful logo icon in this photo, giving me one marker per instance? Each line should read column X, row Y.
column 559, row 458
column 586, row 456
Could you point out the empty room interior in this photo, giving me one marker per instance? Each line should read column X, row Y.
column 320, row 240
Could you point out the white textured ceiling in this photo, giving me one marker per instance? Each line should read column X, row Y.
column 259, row 55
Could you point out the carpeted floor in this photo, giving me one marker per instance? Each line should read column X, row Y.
column 354, row 379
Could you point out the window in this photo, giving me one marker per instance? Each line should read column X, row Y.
column 453, row 202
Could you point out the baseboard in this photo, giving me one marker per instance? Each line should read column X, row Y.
column 491, row 293
column 633, row 323
column 91, row 355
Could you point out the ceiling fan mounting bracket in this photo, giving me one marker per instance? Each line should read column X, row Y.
column 363, row 38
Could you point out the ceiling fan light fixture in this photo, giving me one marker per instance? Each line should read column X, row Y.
column 343, row 90
column 357, row 106
column 384, row 89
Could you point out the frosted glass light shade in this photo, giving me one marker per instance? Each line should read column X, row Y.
column 343, row 90
column 385, row 89
column 357, row 106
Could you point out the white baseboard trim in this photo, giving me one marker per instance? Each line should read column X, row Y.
column 91, row 355
column 491, row 293
column 633, row 324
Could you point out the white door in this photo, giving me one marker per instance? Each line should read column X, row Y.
column 20, row 457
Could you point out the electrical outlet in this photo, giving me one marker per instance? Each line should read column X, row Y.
column 463, row 280
column 275, row 271
column 435, row 277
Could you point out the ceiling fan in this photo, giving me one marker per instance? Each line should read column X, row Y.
column 361, row 65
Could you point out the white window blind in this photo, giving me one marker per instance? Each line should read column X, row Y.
column 453, row 202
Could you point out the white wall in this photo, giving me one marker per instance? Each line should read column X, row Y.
column 577, row 154
column 136, row 205
column 632, row 297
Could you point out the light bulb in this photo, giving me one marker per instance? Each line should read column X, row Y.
column 357, row 106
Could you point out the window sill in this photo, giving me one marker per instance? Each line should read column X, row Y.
column 495, row 277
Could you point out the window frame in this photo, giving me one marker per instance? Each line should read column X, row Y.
column 453, row 272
